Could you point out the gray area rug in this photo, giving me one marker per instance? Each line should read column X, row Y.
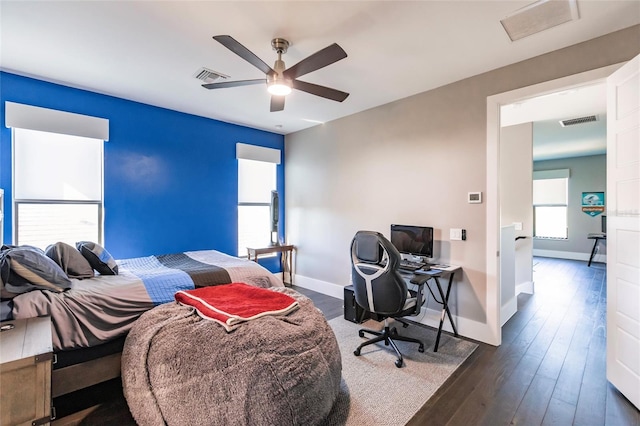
column 374, row 391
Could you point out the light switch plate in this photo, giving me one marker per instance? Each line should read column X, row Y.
column 455, row 234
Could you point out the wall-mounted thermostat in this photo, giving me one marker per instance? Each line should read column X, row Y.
column 474, row 197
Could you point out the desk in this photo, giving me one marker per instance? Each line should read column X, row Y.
column 286, row 258
column 596, row 237
column 422, row 278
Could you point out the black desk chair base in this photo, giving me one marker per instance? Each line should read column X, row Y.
column 387, row 335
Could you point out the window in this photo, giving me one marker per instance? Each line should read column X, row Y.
column 57, row 188
column 57, row 175
column 550, row 198
column 256, row 179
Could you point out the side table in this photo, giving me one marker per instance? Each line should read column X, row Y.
column 26, row 354
column 286, row 258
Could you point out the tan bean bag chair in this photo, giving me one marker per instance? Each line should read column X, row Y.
column 180, row 369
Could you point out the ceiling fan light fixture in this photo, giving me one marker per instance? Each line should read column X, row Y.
column 279, row 88
column 277, row 84
column 280, row 79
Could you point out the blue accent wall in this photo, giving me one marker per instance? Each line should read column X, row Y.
column 170, row 178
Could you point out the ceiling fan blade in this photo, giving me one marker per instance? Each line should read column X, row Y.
column 320, row 59
column 325, row 92
column 277, row 103
column 231, row 44
column 224, row 84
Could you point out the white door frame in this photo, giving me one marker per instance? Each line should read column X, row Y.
column 493, row 173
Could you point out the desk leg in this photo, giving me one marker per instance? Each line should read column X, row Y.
column 445, row 310
column 593, row 251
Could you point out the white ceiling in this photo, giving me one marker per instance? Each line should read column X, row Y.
column 550, row 139
column 148, row 51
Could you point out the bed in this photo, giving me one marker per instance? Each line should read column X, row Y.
column 91, row 318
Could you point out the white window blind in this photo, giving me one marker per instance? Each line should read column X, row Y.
column 52, row 166
column 57, row 174
column 57, row 188
column 550, row 199
column 550, row 192
column 256, row 180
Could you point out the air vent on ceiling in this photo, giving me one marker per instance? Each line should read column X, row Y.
column 580, row 120
column 209, row 76
column 539, row 16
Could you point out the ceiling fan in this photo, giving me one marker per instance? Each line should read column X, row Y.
column 281, row 80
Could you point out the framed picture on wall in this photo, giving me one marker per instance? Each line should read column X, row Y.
column 593, row 203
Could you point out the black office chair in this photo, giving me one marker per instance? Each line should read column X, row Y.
column 379, row 288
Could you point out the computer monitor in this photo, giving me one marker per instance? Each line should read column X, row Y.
column 413, row 240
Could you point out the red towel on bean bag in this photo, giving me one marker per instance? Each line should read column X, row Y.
column 232, row 304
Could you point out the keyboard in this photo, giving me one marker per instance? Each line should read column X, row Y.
column 409, row 265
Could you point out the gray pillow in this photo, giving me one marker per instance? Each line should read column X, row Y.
column 25, row 268
column 70, row 260
column 98, row 257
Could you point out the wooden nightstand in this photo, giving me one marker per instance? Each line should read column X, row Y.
column 25, row 371
column 286, row 258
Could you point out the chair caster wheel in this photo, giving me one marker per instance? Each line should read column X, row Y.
column 421, row 348
column 361, row 333
column 356, row 352
column 398, row 363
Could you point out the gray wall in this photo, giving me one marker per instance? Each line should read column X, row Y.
column 587, row 174
column 413, row 162
column 516, row 193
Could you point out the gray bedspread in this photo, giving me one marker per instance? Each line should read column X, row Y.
column 102, row 308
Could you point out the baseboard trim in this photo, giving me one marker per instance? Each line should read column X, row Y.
column 324, row 287
column 508, row 310
column 557, row 254
column 466, row 327
column 525, row 287
column 430, row 317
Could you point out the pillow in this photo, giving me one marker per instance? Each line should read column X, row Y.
column 98, row 257
column 25, row 268
column 70, row 260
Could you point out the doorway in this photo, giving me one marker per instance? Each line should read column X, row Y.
column 494, row 104
column 547, row 142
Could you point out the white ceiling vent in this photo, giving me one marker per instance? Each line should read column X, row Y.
column 580, row 120
column 209, row 76
column 539, row 16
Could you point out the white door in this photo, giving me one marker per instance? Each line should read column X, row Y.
column 623, row 230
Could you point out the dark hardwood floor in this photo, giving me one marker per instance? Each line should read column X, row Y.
column 549, row 370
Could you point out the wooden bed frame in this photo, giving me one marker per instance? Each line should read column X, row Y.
column 80, row 369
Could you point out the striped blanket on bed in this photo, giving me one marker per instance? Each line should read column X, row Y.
column 164, row 275
column 99, row 309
